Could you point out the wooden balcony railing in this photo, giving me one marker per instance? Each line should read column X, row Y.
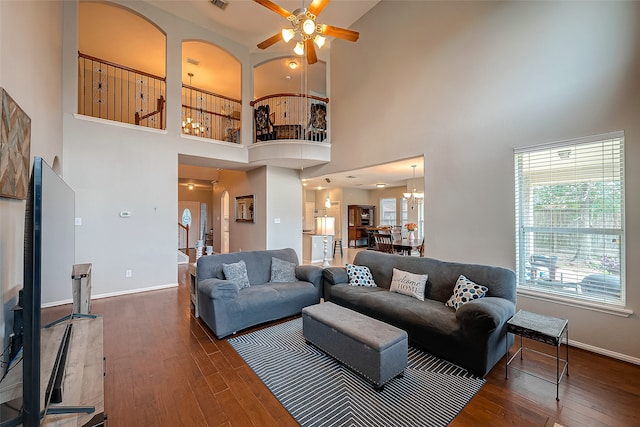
column 290, row 116
column 115, row 92
column 210, row 115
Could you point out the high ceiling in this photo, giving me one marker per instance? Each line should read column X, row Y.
column 249, row 23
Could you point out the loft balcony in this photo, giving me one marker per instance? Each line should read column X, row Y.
column 115, row 92
column 290, row 116
column 289, row 129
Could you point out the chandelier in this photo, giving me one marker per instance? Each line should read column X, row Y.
column 304, row 28
column 414, row 196
column 189, row 125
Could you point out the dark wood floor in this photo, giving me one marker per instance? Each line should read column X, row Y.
column 165, row 368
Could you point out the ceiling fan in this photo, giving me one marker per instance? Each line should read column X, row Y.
column 303, row 24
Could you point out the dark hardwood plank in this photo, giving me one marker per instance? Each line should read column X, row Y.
column 166, row 368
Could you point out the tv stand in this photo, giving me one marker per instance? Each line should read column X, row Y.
column 83, row 381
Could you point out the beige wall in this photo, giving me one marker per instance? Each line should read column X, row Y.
column 464, row 83
column 30, row 71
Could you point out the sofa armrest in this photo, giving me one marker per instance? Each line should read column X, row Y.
column 218, row 288
column 311, row 274
column 484, row 315
column 335, row 275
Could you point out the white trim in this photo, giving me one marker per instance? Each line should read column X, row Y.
column 572, row 302
column 301, row 142
column 119, row 124
column 114, row 294
column 211, row 140
column 135, row 291
column 605, row 352
column 583, row 140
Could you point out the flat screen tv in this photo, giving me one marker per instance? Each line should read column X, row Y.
column 49, row 254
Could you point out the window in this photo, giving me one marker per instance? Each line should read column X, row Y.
column 570, row 219
column 404, row 212
column 388, row 212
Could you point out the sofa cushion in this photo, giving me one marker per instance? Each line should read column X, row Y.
column 359, row 275
column 465, row 291
column 409, row 284
column 282, row 271
column 237, row 272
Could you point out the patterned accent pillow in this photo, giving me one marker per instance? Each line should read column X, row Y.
column 465, row 291
column 237, row 272
column 283, row 271
column 407, row 283
column 360, row 275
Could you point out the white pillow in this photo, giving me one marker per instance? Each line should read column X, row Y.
column 360, row 275
column 410, row 284
column 465, row 291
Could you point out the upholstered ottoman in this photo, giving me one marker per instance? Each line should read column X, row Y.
column 376, row 350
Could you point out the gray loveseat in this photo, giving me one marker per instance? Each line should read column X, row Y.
column 226, row 308
column 472, row 337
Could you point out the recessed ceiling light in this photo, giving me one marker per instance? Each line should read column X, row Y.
column 381, row 185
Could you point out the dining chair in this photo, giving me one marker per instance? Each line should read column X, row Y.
column 384, row 243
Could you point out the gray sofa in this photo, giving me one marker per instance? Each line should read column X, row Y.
column 226, row 308
column 472, row 337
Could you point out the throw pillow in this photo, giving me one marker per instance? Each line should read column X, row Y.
column 282, row 271
column 465, row 291
column 410, row 284
column 360, row 275
column 237, row 272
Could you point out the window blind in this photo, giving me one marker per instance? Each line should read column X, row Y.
column 570, row 218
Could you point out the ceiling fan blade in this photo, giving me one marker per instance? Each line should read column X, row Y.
column 274, row 7
column 341, row 33
column 312, row 58
column 317, row 6
column 270, row 41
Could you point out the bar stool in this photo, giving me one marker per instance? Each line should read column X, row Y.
column 337, row 242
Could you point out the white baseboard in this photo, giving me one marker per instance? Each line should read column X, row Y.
column 114, row 294
column 134, row 291
column 605, row 352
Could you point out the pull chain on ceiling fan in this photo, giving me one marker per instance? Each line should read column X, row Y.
column 304, row 25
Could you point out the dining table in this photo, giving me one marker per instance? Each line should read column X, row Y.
column 406, row 245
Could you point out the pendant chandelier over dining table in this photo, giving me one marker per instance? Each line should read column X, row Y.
column 414, row 196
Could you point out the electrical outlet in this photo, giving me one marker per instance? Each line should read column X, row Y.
column 128, row 273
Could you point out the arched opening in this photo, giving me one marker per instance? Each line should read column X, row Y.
column 290, row 100
column 224, row 222
column 122, row 62
column 211, row 92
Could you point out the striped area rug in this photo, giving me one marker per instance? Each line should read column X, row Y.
column 319, row 391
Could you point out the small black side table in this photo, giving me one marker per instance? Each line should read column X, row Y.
column 546, row 329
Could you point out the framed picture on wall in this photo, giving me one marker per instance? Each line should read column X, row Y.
column 245, row 208
column 15, row 148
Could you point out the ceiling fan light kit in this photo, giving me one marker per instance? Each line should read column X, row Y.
column 305, row 28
